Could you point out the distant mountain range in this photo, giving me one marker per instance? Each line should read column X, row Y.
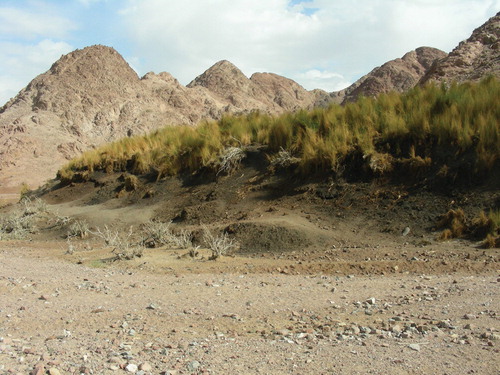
column 92, row 96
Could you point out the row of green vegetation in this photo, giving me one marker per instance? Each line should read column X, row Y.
column 435, row 127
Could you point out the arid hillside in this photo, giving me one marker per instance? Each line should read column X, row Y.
column 473, row 58
column 92, row 96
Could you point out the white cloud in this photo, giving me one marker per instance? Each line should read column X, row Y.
column 20, row 63
column 29, row 24
column 329, row 81
column 349, row 37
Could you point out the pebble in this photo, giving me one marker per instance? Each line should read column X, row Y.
column 193, row 365
column 131, row 368
column 145, row 367
column 54, row 371
column 415, row 347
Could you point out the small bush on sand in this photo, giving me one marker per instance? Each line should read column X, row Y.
column 229, row 160
column 122, row 244
column 157, row 233
column 491, row 241
column 131, row 182
column 78, row 228
column 219, row 244
column 283, row 160
column 454, row 224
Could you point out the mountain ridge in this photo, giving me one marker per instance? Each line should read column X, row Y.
column 92, row 96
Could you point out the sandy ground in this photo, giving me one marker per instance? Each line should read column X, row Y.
column 59, row 317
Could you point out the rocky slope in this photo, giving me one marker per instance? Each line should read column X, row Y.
column 396, row 75
column 92, row 96
column 471, row 59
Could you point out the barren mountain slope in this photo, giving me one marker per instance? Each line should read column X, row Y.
column 92, row 96
column 472, row 59
column 396, row 75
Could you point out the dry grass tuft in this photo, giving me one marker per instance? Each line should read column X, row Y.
column 455, row 223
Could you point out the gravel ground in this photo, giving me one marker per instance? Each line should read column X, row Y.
column 62, row 318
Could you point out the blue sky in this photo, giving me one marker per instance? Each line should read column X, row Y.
column 324, row 44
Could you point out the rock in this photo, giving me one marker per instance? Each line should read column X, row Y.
column 371, row 301
column 145, row 367
column 54, row 371
column 470, row 60
column 131, row 368
column 415, row 347
column 396, row 329
column 193, row 365
column 39, row 369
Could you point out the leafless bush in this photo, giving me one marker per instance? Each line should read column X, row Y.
column 219, row 244
column 33, row 206
column 78, row 228
column 284, row 159
column 122, row 244
column 183, row 240
column 160, row 234
column 156, row 233
column 230, row 159
column 110, row 237
column 17, row 226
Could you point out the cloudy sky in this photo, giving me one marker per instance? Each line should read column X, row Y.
column 324, row 44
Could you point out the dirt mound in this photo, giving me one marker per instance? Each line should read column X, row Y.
column 269, row 237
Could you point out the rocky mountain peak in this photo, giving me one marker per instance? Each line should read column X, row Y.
column 472, row 59
column 221, row 77
column 396, row 75
column 84, row 62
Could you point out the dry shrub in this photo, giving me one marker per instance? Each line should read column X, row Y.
column 446, row 235
column 483, row 225
column 283, row 160
column 219, row 244
column 380, row 163
column 157, row 233
column 454, row 221
column 131, row 182
column 491, row 241
column 78, row 228
column 229, row 160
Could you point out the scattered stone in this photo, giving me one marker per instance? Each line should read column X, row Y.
column 193, row 365
column 415, row 347
column 39, row 369
column 54, row 371
column 145, row 367
column 371, row 301
column 131, row 368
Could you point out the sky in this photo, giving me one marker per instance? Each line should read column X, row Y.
column 325, row 44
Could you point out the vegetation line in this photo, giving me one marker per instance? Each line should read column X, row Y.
column 452, row 131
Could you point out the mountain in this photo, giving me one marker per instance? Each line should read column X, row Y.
column 396, row 75
column 472, row 59
column 92, row 96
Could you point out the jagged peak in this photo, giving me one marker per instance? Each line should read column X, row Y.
column 90, row 58
column 223, row 70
